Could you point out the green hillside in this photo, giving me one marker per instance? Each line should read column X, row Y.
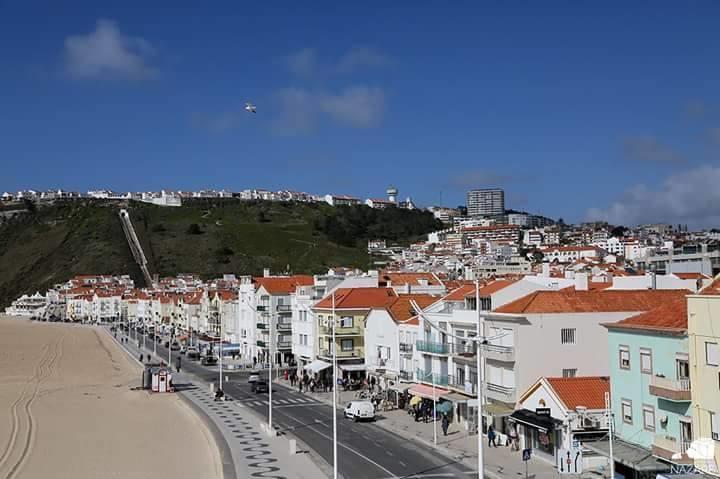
column 209, row 237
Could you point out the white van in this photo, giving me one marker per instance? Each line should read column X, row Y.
column 360, row 410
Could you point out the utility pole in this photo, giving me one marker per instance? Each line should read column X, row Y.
column 478, row 352
column 334, row 389
column 609, row 415
column 270, row 366
column 220, row 350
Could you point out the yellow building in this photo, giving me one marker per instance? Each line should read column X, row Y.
column 704, row 336
column 348, row 316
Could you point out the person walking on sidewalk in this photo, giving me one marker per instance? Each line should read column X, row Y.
column 491, row 436
column 445, row 424
column 513, row 439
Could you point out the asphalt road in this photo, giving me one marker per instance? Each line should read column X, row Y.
column 365, row 450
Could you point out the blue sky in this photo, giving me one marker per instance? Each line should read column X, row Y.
column 607, row 111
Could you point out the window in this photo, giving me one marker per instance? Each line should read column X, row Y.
column 624, row 357
column 346, row 345
column 569, row 373
column 648, row 417
column 645, row 361
column 627, row 411
column 346, row 322
column 712, row 354
column 714, row 426
column 567, row 336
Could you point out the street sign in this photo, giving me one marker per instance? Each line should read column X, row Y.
column 526, row 453
column 570, row 461
column 542, row 411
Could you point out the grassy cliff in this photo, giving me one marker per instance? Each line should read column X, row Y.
column 50, row 244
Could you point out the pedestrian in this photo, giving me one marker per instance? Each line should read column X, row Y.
column 491, row 436
column 513, row 439
column 300, row 384
column 372, row 383
column 141, row 358
column 445, row 424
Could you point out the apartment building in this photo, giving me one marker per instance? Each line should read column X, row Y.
column 704, row 346
column 485, row 202
column 568, row 254
column 651, row 394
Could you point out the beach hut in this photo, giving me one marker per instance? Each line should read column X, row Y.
column 162, row 380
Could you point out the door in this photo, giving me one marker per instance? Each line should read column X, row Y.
column 685, row 435
column 682, row 367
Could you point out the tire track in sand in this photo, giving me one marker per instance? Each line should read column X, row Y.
column 45, row 368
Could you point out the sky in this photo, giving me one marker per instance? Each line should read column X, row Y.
column 608, row 111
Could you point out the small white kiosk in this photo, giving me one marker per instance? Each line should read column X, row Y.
column 162, row 381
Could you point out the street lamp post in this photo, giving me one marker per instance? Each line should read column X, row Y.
column 334, row 390
column 220, row 350
column 270, row 366
column 478, row 343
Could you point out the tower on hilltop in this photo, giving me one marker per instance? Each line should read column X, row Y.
column 392, row 193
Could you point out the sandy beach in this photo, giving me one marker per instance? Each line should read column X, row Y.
column 67, row 410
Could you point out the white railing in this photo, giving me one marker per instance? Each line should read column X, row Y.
column 670, row 384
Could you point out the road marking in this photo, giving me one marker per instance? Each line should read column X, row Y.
column 389, row 453
column 402, row 464
column 290, row 405
column 346, row 447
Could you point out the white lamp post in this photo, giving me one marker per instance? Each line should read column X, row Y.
column 334, row 389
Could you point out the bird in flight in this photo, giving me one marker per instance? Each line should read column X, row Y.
column 250, row 108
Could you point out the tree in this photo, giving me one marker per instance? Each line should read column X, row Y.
column 618, row 231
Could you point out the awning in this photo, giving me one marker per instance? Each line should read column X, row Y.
column 317, row 366
column 630, row 455
column 531, row 418
column 497, row 409
column 352, row 367
column 455, row 397
column 427, row 391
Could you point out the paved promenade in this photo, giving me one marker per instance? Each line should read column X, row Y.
column 246, row 451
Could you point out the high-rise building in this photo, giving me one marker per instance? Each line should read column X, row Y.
column 486, row 202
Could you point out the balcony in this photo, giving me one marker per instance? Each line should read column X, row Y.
column 671, row 449
column 670, row 389
column 464, row 350
column 460, row 385
column 340, row 331
column 405, row 375
column 499, row 353
column 284, row 344
column 262, row 308
column 433, row 348
column 284, row 308
column 284, row 326
column 500, row 393
column 406, row 348
column 262, row 325
column 432, row 378
column 358, row 352
column 261, row 344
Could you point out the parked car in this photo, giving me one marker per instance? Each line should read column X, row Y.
column 360, row 410
column 254, row 377
column 193, row 353
column 175, row 346
column 183, row 349
column 208, row 361
column 259, row 386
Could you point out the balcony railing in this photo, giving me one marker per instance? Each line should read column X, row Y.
column 340, row 331
column 261, row 344
column 430, row 347
column 284, row 325
column 261, row 307
column 284, row 344
column 668, row 447
column 671, row 389
column 405, row 375
column 284, row 308
column 500, row 393
column 262, row 325
column 466, row 350
column 460, row 384
column 357, row 352
column 432, row 378
column 499, row 353
column 406, row 348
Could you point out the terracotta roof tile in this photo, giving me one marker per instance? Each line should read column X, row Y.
column 399, row 279
column 691, row 276
column 283, row 284
column 402, row 311
column 570, row 301
column 587, row 391
column 359, row 298
column 713, row 289
column 670, row 316
column 460, row 293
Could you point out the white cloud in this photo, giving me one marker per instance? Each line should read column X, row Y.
column 304, row 62
column 106, row 52
column 361, row 57
column 691, row 197
column 648, row 148
column 356, row 106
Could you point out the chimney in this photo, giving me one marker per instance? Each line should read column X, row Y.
column 581, row 282
column 266, row 272
column 546, row 270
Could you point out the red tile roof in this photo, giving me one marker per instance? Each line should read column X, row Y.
column 691, row 276
column 570, row 301
column 283, row 284
column 460, row 293
column 359, row 298
column 588, row 391
column 670, row 316
column 713, row 289
column 495, row 286
column 402, row 311
column 399, row 279
column 570, row 248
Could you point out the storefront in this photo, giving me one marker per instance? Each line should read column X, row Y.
column 538, row 432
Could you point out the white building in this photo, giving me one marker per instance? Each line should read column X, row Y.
column 28, row 306
column 341, row 200
column 568, row 254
